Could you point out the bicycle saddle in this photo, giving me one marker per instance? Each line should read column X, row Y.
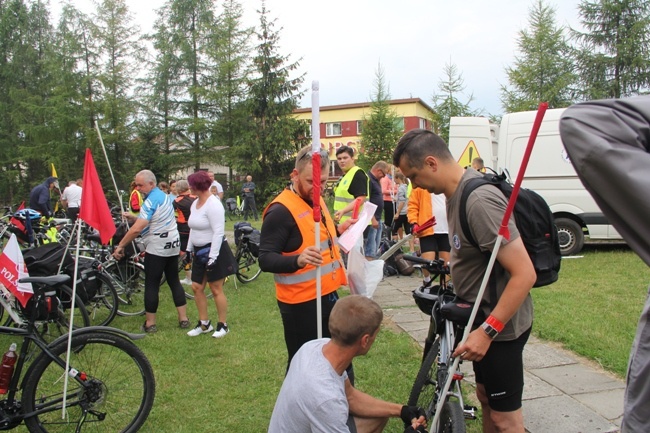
column 246, row 230
column 50, row 280
column 459, row 310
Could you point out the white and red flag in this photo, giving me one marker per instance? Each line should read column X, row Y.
column 13, row 268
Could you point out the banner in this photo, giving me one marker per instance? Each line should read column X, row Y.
column 12, row 268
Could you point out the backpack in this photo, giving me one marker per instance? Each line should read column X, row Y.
column 534, row 221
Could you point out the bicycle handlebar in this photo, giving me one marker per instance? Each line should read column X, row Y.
column 432, row 266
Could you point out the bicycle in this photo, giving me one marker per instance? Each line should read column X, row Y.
column 111, row 383
column 233, row 210
column 449, row 316
column 248, row 268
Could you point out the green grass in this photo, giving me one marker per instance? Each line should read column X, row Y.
column 594, row 307
column 230, row 385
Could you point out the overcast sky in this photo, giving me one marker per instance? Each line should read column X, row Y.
column 341, row 42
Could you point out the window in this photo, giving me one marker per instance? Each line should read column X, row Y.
column 359, row 127
column 399, row 123
column 423, row 123
column 332, row 129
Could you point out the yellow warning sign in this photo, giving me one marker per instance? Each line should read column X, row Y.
column 469, row 154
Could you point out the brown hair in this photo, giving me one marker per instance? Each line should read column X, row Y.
column 353, row 317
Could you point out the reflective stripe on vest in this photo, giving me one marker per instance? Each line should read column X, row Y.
column 306, row 276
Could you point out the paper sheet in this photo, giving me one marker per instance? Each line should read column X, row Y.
column 355, row 232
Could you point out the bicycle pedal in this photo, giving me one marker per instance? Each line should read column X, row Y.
column 469, row 411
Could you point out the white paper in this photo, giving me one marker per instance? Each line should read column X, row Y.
column 355, row 232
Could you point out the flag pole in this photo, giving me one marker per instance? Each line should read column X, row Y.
column 503, row 233
column 316, row 173
column 110, row 169
column 72, row 305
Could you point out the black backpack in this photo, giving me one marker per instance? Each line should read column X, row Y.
column 534, row 221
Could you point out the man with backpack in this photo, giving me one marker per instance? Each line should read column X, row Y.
column 496, row 345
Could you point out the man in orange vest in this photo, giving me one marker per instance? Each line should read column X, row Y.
column 287, row 249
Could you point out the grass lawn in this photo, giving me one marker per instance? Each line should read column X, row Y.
column 594, row 307
column 230, row 385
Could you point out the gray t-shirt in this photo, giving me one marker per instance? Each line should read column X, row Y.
column 485, row 208
column 312, row 397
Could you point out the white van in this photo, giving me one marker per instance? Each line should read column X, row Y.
column 549, row 171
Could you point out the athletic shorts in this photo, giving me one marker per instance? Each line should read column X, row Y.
column 435, row 243
column 501, row 371
column 401, row 221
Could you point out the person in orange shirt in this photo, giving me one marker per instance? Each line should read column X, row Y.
column 434, row 242
column 287, row 249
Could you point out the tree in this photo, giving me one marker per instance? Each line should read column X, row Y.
column 275, row 136
column 232, row 52
column 380, row 131
column 184, row 31
column 120, row 50
column 544, row 70
column 613, row 55
column 446, row 103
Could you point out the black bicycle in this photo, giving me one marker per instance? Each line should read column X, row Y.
column 449, row 316
column 111, row 386
column 248, row 244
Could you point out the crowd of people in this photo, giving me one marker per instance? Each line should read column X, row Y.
column 185, row 220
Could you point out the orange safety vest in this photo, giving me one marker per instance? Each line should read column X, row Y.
column 300, row 286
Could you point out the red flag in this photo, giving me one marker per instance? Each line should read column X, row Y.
column 12, row 268
column 15, row 221
column 94, row 209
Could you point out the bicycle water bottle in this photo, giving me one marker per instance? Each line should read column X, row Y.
column 7, row 368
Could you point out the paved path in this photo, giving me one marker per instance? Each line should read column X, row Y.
column 563, row 393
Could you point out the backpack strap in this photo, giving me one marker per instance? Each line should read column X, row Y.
column 469, row 187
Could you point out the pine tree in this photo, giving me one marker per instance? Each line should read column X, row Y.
column 268, row 151
column 543, row 72
column 231, row 52
column 380, row 131
column 613, row 58
column 446, row 103
column 120, row 50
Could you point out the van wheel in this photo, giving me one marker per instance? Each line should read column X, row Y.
column 570, row 236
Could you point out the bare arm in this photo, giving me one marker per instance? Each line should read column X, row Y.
column 515, row 260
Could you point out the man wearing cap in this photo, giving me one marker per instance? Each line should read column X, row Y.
column 39, row 197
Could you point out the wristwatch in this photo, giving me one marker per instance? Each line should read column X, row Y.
column 490, row 330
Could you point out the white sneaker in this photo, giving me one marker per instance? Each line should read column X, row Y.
column 222, row 330
column 201, row 329
column 186, row 282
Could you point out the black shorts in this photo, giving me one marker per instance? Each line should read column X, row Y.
column 184, row 238
column 501, row 372
column 401, row 221
column 226, row 265
column 435, row 243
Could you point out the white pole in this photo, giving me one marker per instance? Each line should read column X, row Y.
column 74, row 294
column 117, row 191
column 315, row 148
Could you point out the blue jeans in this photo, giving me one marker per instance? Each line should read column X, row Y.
column 373, row 241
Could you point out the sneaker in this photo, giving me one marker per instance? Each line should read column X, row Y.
column 184, row 324
column 149, row 329
column 222, row 330
column 186, row 282
column 200, row 329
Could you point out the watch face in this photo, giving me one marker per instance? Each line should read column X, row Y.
column 489, row 330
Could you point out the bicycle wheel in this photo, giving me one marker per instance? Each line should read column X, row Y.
column 452, row 418
column 118, row 393
column 248, row 268
column 128, row 280
column 423, row 393
column 102, row 307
